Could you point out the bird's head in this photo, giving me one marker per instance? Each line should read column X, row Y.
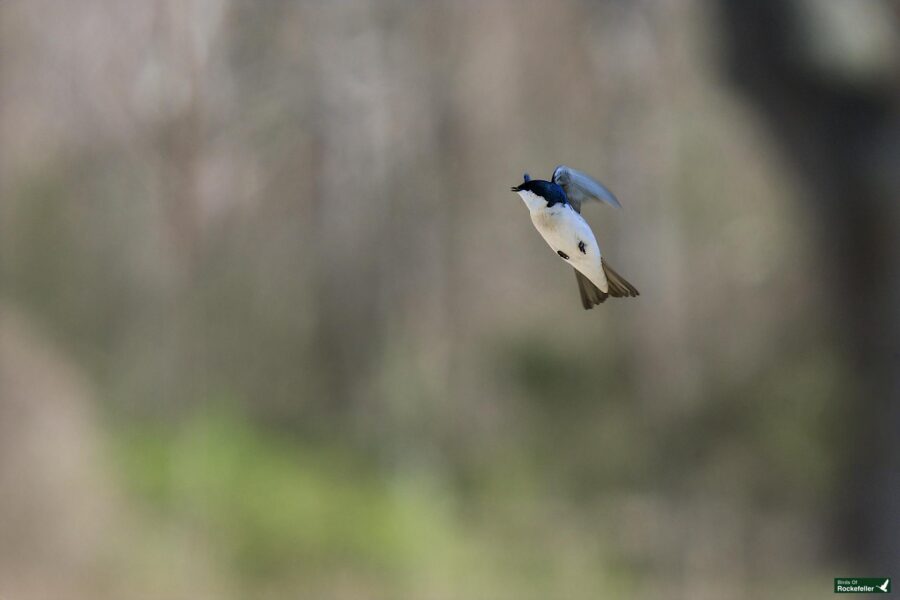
column 538, row 193
column 525, row 179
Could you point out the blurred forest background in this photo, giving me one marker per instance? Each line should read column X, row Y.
column 273, row 326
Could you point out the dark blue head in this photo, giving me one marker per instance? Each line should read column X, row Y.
column 547, row 190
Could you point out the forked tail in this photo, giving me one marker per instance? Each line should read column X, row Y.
column 591, row 295
column 618, row 285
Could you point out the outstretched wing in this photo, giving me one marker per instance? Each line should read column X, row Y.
column 580, row 187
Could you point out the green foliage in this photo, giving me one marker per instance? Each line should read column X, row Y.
column 280, row 512
column 279, row 506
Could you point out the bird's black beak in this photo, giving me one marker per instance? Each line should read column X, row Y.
column 514, row 188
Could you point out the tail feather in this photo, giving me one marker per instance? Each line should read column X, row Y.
column 590, row 293
column 618, row 285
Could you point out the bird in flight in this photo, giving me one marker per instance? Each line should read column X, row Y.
column 555, row 208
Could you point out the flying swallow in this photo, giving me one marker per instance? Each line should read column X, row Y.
column 555, row 208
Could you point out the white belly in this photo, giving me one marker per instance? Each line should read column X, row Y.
column 566, row 232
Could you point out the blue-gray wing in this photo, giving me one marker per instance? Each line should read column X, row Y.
column 581, row 186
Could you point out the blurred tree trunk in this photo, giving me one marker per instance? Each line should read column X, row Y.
column 350, row 194
column 826, row 80
column 57, row 509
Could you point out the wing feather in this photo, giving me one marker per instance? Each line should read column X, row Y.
column 581, row 186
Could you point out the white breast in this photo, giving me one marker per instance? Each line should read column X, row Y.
column 566, row 231
column 532, row 200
